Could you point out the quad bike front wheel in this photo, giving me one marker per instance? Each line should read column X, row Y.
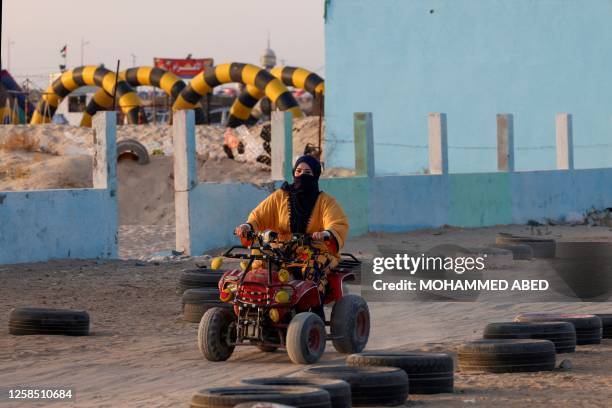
column 306, row 338
column 350, row 324
column 215, row 334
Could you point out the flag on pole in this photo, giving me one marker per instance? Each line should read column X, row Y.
column 64, row 51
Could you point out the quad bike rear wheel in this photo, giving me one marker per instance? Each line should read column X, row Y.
column 306, row 338
column 350, row 324
column 215, row 334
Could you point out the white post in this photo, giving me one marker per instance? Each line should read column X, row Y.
column 438, row 143
column 105, row 151
column 282, row 145
column 505, row 142
column 185, row 175
column 565, row 142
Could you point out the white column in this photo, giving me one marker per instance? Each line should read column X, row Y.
column 438, row 143
column 282, row 145
column 185, row 175
column 565, row 142
column 105, row 151
column 505, row 142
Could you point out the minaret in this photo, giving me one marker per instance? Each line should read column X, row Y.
column 268, row 59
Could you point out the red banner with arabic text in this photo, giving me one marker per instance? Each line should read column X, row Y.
column 185, row 68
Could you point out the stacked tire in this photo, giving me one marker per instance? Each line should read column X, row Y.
column 562, row 334
column 541, row 247
column 519, row 252
column 507, row 356
column 30, row 320
column 198, row 278
column 200, row 292
column 606, row 323
column 226, row 397
column 197, row 301
column 588, row 327
column 428, row 373
column 339, row 391
column 370, row 386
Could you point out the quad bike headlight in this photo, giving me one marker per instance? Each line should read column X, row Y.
column 283, row 275
column 228, row 292
column 226, row 295
column 283, row 295
column 274, row 315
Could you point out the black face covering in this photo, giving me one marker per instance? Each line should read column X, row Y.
column 303, row 194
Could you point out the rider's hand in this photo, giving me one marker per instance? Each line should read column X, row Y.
column 242, row 230
column 321, row 235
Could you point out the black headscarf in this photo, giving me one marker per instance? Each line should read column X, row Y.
column 303, row 194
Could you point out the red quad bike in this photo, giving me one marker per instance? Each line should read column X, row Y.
column 273, row 306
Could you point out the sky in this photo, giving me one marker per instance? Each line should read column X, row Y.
column 226, row 30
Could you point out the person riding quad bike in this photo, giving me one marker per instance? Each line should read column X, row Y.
column 301, row 208
column 291, row 268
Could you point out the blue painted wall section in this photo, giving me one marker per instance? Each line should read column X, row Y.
column 215, row 209
column 404, row 203
column 57, row 224
column 471, row 59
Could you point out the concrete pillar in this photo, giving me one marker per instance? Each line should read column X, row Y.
column 363, row 128
column 438, row 143
column 505, row 142
column 282, row 146
column 185, row 174
column 565, row 142
column 105, row 151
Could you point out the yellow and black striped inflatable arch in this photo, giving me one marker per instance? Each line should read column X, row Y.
column 88, row 75
column 247, row 74
column 290, row 76
column 140, row 76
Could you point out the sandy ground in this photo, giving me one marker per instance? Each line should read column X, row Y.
column 141, row 353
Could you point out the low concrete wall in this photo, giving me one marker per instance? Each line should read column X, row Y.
column 404, row 203
column 58, row 224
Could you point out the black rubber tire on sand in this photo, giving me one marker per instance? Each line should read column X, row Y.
column 339, row 391
column 221, row 397
column 197, row 301
column 588, row 327
column 31, row 320
column 541, row 247
column 214, row 335
column 196, row 279
column 134, row 149
column 606, row 323
column 519, row 252
column 262, row 404
column 350, row 324
column 370, row 386
column 428, row 373
column 507, row 356
column 305, row 338
column 562, row 334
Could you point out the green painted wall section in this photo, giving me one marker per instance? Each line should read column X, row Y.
column 479, row 199
column 353, row 195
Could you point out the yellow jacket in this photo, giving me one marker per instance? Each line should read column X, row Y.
column 273, row 213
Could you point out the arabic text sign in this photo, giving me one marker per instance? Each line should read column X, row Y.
column 185, row 68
